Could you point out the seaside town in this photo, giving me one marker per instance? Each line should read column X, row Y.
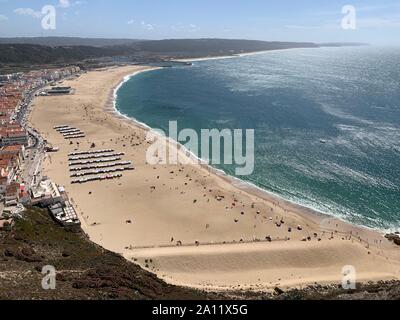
column 22, row 149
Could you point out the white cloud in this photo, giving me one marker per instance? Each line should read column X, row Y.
column 69, row 4
column 3, row 17
column 147, row 26
column 64, row 3
column 131, row 21
column 193, row 28
column 185, row 27
column 28, row 12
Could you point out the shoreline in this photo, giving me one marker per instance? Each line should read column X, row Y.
column 113, row 110
column 238, row 55
column 170, row 210
column 246, row 186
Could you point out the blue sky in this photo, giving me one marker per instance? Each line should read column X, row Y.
column 378, row 22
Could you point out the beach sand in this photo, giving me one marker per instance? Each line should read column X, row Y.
column 189, row 225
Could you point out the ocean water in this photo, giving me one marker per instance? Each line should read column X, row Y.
column 294, row 99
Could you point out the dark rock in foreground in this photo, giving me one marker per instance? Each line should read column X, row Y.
column 394, row 237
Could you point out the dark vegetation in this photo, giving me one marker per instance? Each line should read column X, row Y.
column 37, row 54
column 68, row 41
column 22, row 54
column 213, row 47
column 84, row 270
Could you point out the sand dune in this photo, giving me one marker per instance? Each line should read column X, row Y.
column 170, row 205
column 259, row 266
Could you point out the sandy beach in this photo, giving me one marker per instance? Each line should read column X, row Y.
column 189, row 225
column 238, row 55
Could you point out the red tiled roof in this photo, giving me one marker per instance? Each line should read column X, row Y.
column 12, row 189
column 11, row 149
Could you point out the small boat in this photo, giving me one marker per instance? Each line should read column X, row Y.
column 322, row 141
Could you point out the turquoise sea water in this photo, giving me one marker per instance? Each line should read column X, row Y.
column 349, row 97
